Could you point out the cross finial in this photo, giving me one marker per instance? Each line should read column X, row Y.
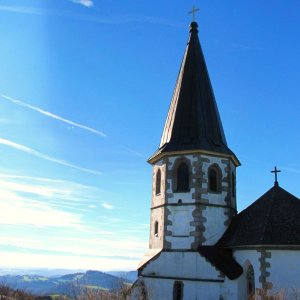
column 276, row 171
column 193, row 12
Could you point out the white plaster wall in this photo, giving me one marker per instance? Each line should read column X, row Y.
column 184, row 197
column 172, row 160
column 237, row 289
column 285, row 271
column 156, row 241
column 183, row 242
column 180, row 242
column 214, row 160
column 181, row 264
column 244, row 258
column 214, row 226
column 215, row 216
column 192, row 264
column 229, row 290
column 284, row 275
column 214, row 198
column 162, row 289
column 157, row 214
column 160, row 198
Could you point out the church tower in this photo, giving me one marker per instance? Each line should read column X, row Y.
column 193, row 189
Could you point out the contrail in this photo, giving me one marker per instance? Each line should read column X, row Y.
column 53, row 116
column 38, row 154
column 86, row 3
column 120, row 19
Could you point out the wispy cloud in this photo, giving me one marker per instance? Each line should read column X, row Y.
column 25, row 260
column 62, row 190
column 116, row 19
column 22, row 10
column 97, row 245
column 53, row 116
column 132, row 151
column 31, row 178
column 291, row 169
column 58, row 194
column 38, row 154
column 16, row 210
column 86, row 3
column 107, row 205
column 79, row 237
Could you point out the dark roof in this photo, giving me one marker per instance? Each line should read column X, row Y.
column 273, row 219
column 223, row 260
column 193, row 121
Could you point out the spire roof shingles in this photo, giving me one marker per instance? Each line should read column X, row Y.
column 193, row 121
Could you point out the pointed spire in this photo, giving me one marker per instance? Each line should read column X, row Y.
column 193, row 121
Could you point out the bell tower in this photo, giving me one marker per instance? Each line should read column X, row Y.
column 193, row 186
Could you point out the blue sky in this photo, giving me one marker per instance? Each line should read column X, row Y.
column 84, row 91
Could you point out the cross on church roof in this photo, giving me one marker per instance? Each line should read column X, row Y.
column 276, row 171
column 193, row 12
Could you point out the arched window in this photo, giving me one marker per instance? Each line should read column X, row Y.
column 156, row 228
column 214, row 179
column 250, row 283
column 183, row 178
column 233, row 184
column 178, row 290
column 158, row 182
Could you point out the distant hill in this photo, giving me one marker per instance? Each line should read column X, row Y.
column 65, row 284
column 31, row 283
column 38, row 271
column 128, row 276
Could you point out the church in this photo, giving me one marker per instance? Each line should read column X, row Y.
column 200, row 247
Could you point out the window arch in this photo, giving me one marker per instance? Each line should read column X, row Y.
column 233, row 184
column 178, row 290
column 156, row 228
column 158, row 182
column 214, row 179
column 250, row 283
column 182, row 175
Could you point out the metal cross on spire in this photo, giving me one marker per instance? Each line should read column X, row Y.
column 193, row 12
column 276, row 171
